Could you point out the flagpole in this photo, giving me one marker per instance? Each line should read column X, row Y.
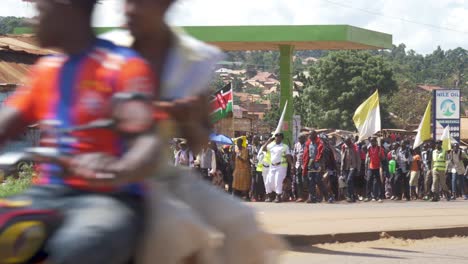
column 232, row 117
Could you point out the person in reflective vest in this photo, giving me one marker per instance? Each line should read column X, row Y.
column 264, row 158
column 280, row 159
column 439, row 167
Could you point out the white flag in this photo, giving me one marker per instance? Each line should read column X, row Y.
column 367, row 117
column 424, row 130
column 446, row 139
column 280, row 123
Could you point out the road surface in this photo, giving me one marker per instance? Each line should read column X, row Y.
column 316, row 219
column 387, row 251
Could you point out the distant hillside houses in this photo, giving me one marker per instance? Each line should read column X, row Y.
column 253, row 93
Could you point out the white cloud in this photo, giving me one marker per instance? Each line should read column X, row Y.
column 451, row 14
column 16, row 8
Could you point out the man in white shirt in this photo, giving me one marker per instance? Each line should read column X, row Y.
column 207, row 161
column 184, row 156
column 280, row 159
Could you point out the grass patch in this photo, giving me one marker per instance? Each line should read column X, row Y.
column 12, row 185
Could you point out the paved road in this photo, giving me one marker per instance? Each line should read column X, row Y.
column 314, row 219
column 388, row 251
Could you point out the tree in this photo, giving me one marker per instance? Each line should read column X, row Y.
column 458, row 59
column 216, row 83
column 340, row 82
column 8, row 24
column 407, row 104
column 237, row 84
column 272, row 117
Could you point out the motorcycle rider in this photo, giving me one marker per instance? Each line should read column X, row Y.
column 186, row 67
column 184, row 63
column 103, row 216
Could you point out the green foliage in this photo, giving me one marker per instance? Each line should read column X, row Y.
column 272, row 116
column 312, row 53
column 256, row 60
column 339, row 83
column 18, row 185
column 440, row 68
column 23, row 30
column 237, row 84
column 8, row 24
column 216, row 83
column 237, row 100
column 407, row 96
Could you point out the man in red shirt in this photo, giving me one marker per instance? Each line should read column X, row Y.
column 375, row 155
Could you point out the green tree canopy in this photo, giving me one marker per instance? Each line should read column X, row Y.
column 339, row 83
column 8, row 24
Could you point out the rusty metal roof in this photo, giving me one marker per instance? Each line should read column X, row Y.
column 17, row 54
column 24, row 44
column 14, row 66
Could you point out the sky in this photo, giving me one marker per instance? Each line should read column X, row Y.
column 421, row 24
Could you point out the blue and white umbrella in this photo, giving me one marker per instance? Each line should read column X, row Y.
column 221, row 139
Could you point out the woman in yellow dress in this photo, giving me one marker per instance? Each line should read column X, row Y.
column 241, row 176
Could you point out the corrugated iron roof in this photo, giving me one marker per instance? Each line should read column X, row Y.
column 23, row 43
column 14, row 66
column 17, row 54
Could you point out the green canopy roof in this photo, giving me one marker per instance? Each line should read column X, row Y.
column 310, row 37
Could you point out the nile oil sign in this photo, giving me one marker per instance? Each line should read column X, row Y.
column 446, row 112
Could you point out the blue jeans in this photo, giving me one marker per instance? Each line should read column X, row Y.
column 97, row 228
column 375, row 183
column 298, row 183
column 315, row 179
column 458, row 184
column 401, row 184
column 350, row 183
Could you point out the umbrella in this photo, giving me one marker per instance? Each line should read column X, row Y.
column 221, row 139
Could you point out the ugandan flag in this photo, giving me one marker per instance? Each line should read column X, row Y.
column 221, row 103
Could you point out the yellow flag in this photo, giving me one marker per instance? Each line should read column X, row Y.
column 424, row 130
column 244, row 141
column 367, row 117
column 446, row 139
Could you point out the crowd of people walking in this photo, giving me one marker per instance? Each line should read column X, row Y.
column 317, row 168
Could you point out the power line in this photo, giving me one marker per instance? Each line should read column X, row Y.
column 395, row 18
